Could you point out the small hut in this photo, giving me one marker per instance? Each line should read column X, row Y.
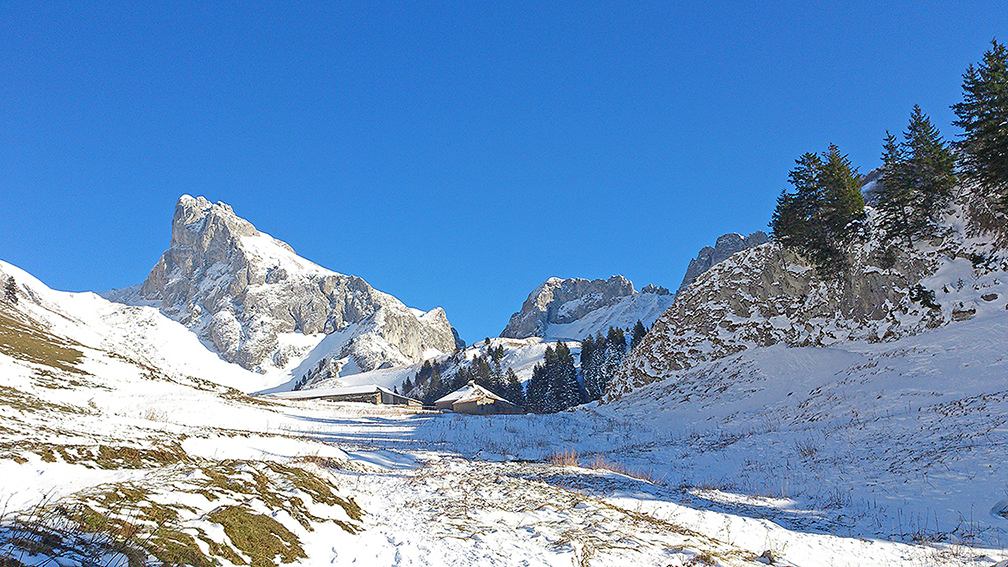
column 476, row 400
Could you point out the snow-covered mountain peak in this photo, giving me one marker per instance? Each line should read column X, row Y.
column 575, row 308
column 264, row 307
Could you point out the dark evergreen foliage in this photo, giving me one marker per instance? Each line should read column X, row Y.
column 917, row 179
column 638, row 334
column 819, row 218
column 10, row 290
column 983, row 116
column 554, row 385
column 601, row 360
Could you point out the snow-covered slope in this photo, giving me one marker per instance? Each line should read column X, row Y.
column 901, row 440
column 865, row 453
column 140, row 333
column 574, row 308
column 265, row 308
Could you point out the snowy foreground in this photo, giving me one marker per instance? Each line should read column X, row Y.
column 870, row 454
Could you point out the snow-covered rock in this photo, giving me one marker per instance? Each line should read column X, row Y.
column 768, row 295
column 245, row 293
column 724, row 248
column 575, row 308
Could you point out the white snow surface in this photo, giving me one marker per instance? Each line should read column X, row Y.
column 864, row 453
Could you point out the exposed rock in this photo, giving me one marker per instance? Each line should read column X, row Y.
column 724, row 248
column 559, row 301
column 768, row 295
column 240, row 289
column 963, row 312
column 655, row 289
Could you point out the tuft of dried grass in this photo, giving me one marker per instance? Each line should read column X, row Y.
column 565, row 458
column 600, row 462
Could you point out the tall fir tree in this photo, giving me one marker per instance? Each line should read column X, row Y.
column 894, row 193
column 932, row 168
column 917, row 179
column 638, row 334
column 820, row 215
column 983, row 116
column 515, row 391
column 567, row 390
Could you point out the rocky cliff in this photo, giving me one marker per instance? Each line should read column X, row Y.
column 574, row 308
column 248, row 293
column 724, row 248
column 767, row 295
column 559, row 301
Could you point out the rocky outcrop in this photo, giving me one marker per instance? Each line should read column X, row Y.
column 241, row 290
column 724, row 248
column 559, row 301
column 768, row 295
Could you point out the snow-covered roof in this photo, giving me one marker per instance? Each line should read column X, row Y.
column 326, row 392
column 469, row 392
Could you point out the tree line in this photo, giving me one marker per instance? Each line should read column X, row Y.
column 823, row 211
column 556, row 383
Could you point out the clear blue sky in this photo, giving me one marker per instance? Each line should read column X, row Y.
column 451, row 154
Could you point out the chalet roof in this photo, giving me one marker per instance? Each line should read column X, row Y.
column 471, row 391
column 338, row 391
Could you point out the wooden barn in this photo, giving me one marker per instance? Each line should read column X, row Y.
column 369, row 393
column 476, row 400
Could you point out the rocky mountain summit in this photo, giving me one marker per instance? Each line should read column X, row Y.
column 262, row 306
column 768, row 295
column 724, row 248
column 576, row 307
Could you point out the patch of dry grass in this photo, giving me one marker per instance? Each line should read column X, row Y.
column 28, row 340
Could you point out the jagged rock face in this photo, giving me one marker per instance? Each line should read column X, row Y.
column 560, row 301
column 724, row 248
column 240, row 288
column 768, row 295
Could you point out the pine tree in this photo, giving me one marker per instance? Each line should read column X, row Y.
column 638, row 334
column 820, row 216
column 565, row 384
column 932, row 168
column 895, row 195
column 983, row 116
column 917, row 179
column 515, row 391
column 10, row 290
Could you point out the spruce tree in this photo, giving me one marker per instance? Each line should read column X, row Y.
column 638, row 334
column 515, row 392
column 10, row 290
column 894, row 193
column 819, row 217
column 568, row 390
column 983, row 116
column 932, row 168
column 917, row 179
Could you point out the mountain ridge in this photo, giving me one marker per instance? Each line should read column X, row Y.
column 262, row 306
